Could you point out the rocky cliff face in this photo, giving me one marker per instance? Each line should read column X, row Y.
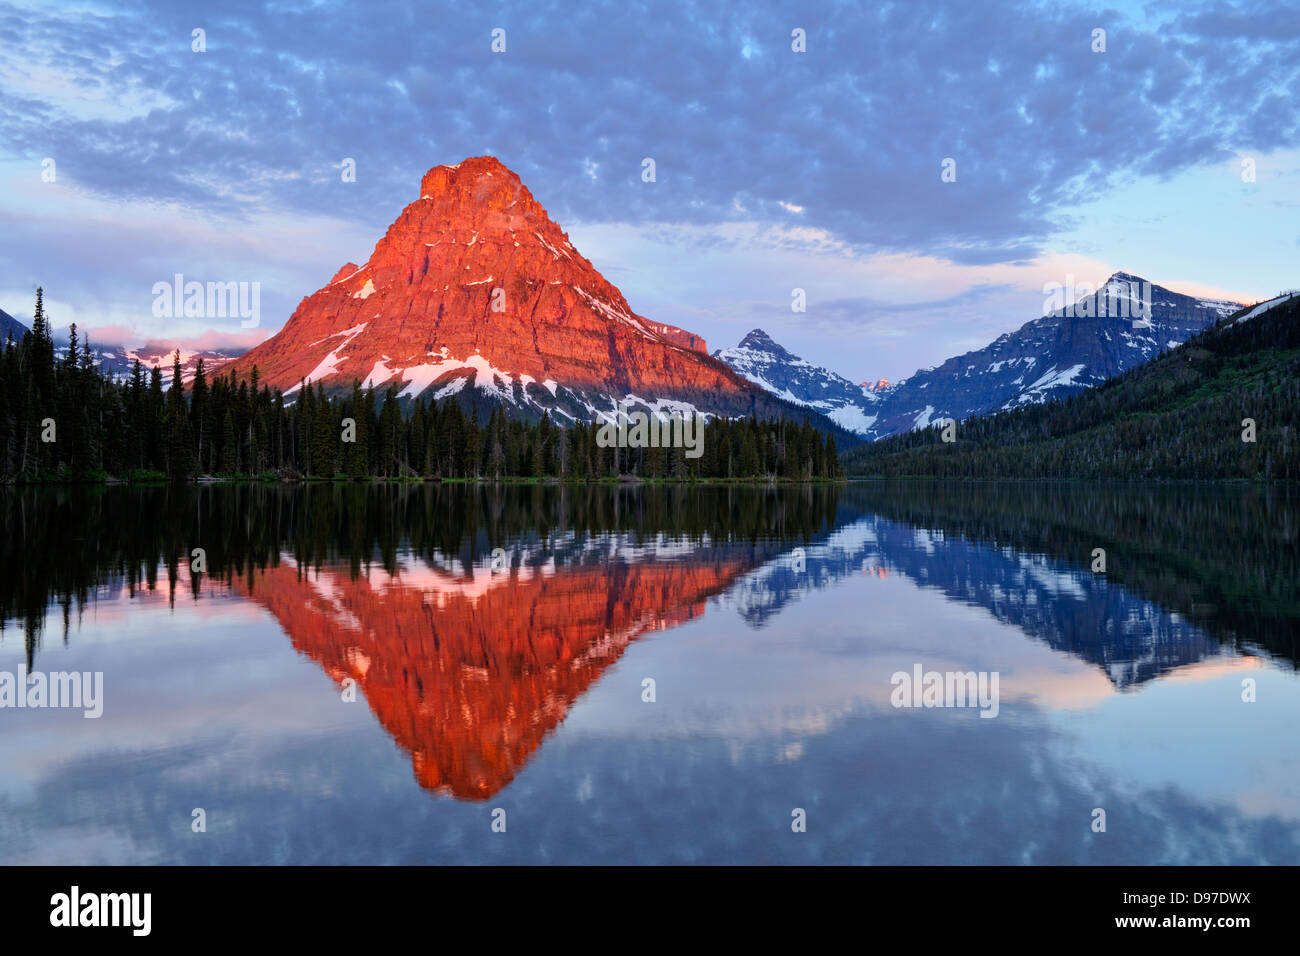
column 475, row 290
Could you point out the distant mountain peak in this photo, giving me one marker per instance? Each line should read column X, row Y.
column 770, row 366
column 760, row 342
column 756, row 339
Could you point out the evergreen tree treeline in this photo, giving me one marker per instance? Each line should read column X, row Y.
column 70, row 544
column 135, row 429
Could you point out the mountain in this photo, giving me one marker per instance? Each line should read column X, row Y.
column 475, row 292
column 1062, row 353
column 769, row 366
column 117, row 361
column 8, row 325
column 1223, row 405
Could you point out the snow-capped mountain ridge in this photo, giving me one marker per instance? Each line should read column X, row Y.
column 1123, row 323
column 768, row 365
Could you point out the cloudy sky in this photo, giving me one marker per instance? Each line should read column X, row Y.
column 775, row 169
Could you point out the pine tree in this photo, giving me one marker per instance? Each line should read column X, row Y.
column 389, row 417
column 179, row 439
column 199, row 414
column 229, row 448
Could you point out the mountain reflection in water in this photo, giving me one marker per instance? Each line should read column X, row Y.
column 473, row 619
column 469, row 668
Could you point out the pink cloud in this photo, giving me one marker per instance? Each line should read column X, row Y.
column 206, row 341
column 109, row 335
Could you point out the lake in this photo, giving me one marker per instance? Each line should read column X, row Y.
column 596, row 674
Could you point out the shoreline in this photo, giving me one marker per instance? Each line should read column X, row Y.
column 376, row 480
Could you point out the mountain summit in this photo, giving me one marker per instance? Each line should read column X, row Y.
column 770, row 366
column 475, row 291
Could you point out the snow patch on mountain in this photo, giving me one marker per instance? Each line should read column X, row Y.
column 853, row 418
column 1264, row 307
column 329, row 365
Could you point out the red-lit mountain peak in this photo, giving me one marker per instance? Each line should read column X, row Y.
column 474, row 284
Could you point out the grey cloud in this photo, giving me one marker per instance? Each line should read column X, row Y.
column 854, row 130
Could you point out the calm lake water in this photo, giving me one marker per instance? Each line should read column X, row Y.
column 499, row 643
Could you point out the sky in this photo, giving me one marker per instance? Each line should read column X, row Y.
column 127, row 156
